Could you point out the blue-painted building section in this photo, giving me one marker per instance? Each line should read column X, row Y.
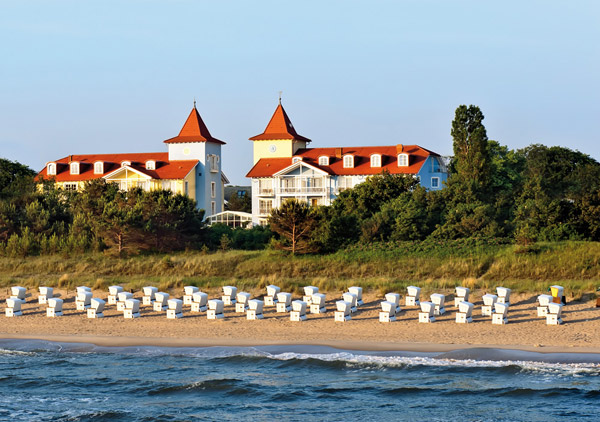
column 433, row 173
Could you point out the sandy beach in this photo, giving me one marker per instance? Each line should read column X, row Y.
column 525, row 330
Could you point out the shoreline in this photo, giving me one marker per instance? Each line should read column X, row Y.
column 353, row 345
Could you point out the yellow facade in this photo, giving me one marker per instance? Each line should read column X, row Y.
column 278, row 148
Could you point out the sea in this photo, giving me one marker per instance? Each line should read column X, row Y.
column 48, row 381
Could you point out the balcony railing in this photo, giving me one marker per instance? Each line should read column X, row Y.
column 265, row 191
column 302, row 190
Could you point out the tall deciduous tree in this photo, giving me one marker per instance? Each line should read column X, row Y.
column 295, row 222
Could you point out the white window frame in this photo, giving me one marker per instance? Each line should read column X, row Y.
column 99, row 167
column 437, row 181
column 74, row 167
column 166, row 185
column 376, row 160
column 344, row 182
column 70, row 186
column 150, row 165
column 51, row 169
column 213, row 207
column 213, row 161
column 213, row 190
column 323, row 160
column 348, row 161
column 265, row 205
column 403, row 160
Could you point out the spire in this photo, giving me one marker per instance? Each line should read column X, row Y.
column 194, row 130
column 279, row 127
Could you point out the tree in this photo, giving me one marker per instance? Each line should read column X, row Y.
column 294, row 222
column 15, row 178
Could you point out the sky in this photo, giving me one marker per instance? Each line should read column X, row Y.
column 81, row 77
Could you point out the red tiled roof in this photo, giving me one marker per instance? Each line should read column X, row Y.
column 164, row 168
column 266, row 167
column 280, row 127
column 194, row 130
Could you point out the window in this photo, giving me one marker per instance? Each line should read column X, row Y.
column 213, row 162
column 74, row 168
column 402, row 160
column 348, row 161
column 344, row 182
column 265, row 187
column 213, row 207
column 151, row 165
column 166, row 185
column 376, row 160
column 296, row 159
column 125, row 163
column 323, row 161
column 51, row 169
column 70, row 186
column 99, row 167
column 435, row 182
column 314, row 202
column 185, row 188
column 265, row 206
column 213, row 189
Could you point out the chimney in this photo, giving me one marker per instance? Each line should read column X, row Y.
column 70, row 158
column 338, row 153
column 399, row 148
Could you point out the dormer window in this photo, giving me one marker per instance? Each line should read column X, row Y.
column 402, row 160
column 348, row 161
column 99, row 167
column 125, row 163
column 74, row 168
column 296, row 159
column 150, row 165
column 323, row 160
column 376, row 160
column 51, row 169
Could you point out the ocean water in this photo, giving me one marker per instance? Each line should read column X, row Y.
column 44, row 381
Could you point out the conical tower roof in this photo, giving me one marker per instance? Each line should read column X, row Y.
column 194, row 130
column 280, row 127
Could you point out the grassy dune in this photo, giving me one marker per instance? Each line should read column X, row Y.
column 575, row 265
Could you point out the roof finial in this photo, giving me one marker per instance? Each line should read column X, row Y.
column 194, row 102
column 280, row 92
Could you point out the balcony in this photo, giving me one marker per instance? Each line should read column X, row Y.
column 265, row 192
column 305, row 190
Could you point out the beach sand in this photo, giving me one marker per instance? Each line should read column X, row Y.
column 580, row 332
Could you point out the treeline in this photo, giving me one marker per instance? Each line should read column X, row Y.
column 43, row 219
column 538, row 193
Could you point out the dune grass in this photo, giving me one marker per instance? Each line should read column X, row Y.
column 382, row 268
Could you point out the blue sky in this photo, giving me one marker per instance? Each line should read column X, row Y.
column 121, row 76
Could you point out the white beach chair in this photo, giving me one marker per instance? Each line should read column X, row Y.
column 284, row 302
column 113, row 293
column 395, row 299
column 215, row 309
column 149, row 292
column 298, row 312
column 229, row 293
column 132, row 309
column 160, row 301
column 543, row 301
column 45, row 294
column 554, row 316
column 241, row 305
column 18, row 292
column 489, row 301
column 500, row 313
column 388, row 311
column 427, row 312
column 96, row 309
column 175, row 309
column 503, row 295
column 438, row 300
column 557, row 293
column 465, row 312
column 412, row 297
column 358, row 291
column 309, row 291
column 255, row 309
column 317, row 305
column 271, row 297
column 461, row 295
column 343, row 311
column 188, row 292
column 83, row 289
column 350, row 297
column 121, row 298
column 13, row 307
column 199, row 302
column 83, row 300
column 54, row 308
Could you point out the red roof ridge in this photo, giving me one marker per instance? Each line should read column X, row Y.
column 279, row 127
column 194, row 130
